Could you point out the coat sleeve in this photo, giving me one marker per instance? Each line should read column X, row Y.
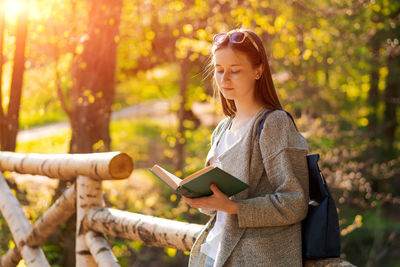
column 284, row 153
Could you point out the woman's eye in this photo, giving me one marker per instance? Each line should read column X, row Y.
column 232, row 71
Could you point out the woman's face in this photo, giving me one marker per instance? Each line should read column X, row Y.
column 234, row 74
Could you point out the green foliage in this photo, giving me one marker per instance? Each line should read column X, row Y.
column 6, row 240
column 322, row 55
column 371, row 235
column 134, row 137
column 160, row 82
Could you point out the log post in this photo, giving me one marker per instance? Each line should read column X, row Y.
column 150, row 230
column 11, row 258
column 19, row 226
column 100, row 250
column 57, row 214
column 89, row 195
column 98, row 166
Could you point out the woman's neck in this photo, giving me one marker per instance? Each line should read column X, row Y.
column 244, row 114
column 247, row 111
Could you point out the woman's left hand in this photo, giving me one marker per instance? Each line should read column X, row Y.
column 217, row 201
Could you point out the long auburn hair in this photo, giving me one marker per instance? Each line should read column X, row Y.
column 264, row 87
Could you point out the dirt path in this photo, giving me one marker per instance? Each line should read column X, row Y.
column 153, row 108
column 159, row 109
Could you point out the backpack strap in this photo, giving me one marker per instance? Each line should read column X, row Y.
column 261, row 125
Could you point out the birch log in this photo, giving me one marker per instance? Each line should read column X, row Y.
column 150, row 230
column 100, row 250
column 11, row 258
column 89, row 195
column 330, row 262
column 57, row 214
column 19, row 226
column 98, row 166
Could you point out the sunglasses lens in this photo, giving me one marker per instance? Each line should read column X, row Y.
column 234, row 37
column 237, row 37
column 219, row 38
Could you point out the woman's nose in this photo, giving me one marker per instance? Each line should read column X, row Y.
column 225, row 76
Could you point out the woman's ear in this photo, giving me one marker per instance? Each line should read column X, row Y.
column 258, row 72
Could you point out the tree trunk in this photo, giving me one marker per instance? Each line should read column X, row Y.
column 92, row 93
column 11, row 120
column 391, row 98
column 2, row 27
column 180, row 138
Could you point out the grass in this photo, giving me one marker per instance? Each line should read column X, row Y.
column 58, row 143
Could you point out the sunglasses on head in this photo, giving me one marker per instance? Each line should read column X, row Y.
column 235, row 37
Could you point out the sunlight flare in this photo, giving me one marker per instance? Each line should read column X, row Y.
column 13, row 8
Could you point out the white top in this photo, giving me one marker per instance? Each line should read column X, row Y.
column 228, row 140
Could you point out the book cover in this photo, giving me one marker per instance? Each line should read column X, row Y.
column 198, row 184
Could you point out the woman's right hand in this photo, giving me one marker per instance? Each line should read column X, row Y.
column 217, row 201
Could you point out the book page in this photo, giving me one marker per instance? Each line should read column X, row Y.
column 196, row 174
column 166, row 176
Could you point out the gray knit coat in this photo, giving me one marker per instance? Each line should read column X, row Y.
column 266, row 231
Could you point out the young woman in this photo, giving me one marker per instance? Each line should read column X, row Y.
column 260, row 226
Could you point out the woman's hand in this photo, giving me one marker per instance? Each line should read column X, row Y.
column 217, row 201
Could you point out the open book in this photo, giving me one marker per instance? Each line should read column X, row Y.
column 198, row 184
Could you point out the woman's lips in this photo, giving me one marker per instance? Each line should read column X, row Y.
column 227, row 88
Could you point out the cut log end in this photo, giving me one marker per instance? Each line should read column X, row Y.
column 121, row 166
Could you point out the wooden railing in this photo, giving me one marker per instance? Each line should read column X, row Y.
column 85, row 198
column 93, row 220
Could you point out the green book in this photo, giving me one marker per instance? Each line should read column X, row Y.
column 198, row 184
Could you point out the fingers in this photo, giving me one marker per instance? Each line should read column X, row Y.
column 214, row 189
column 190, row 201
column 200, row 202
column 213, row 201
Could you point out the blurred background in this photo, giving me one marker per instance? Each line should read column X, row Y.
column 80, row 76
